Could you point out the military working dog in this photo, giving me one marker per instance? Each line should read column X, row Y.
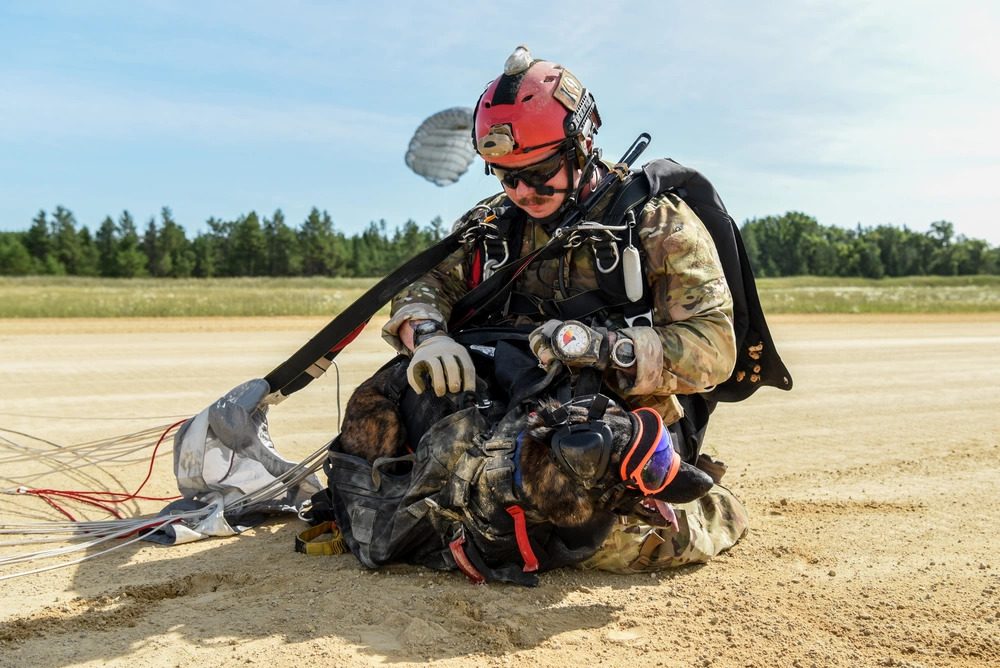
column 565, row 470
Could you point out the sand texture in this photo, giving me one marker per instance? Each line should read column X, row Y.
column 872, row 489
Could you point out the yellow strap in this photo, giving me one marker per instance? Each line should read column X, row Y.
column 336, row 545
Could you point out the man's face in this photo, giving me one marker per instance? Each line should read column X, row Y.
column 524, row 195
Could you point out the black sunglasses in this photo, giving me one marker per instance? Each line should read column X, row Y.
column 533, row 176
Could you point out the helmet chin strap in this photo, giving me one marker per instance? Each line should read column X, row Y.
column 573, row 194
column 573, row 198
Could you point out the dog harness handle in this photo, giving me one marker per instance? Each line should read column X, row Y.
column 462, row 561
column 521, row 533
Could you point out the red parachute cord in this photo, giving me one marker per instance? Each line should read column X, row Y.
column 100, row 499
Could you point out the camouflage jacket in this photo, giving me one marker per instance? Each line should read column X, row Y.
column 691, row 346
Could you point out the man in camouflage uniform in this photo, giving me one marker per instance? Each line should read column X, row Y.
column 522, row 131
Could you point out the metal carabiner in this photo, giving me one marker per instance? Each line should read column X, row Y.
column 306, row 507
column 490, row 265
column 597, row 259
column 488, row 268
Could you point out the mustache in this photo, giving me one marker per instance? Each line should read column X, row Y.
column 532, row 200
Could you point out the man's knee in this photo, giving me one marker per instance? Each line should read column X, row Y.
column 705, row 528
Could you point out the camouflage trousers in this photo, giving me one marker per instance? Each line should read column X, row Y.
column 705, row 528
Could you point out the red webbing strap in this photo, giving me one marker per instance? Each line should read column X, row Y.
column 347, row 339
column 458, row 552
column 476, row 274
column 521, row 532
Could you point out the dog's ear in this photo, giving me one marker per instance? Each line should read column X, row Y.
column 689, row 484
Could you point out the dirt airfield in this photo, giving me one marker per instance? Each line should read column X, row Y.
column 872, row 489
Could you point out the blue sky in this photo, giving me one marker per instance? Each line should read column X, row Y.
column 885, row 111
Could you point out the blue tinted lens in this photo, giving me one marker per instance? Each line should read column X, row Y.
column 654, row 473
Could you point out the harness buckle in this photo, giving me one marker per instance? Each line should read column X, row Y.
column 647, row 316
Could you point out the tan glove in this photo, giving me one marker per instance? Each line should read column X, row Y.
column 448, row 363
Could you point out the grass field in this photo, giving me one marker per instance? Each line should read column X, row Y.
column 75, row 297
column 914, row 294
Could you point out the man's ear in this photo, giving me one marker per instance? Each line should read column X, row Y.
column 689, row 484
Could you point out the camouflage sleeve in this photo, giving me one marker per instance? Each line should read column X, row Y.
column 691, row 346
column 430, row 297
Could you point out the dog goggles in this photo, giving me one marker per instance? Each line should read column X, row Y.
column 533, row 176
column 651, row 462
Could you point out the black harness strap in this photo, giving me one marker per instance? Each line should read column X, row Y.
column 611, row 291
column 314, row 358
column 487, row 298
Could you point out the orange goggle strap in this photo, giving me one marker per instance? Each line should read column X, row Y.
column 649, row 433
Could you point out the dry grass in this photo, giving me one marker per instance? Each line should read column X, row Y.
column 75, row 297
column 918, row 294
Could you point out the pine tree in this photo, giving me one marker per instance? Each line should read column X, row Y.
column 88, row 257
column 173, row 248
column 150, row 247
column 65, row 242
column 248, row 249
column 316, row 238
column 107, row 243
column 37, row 241
column 283, row 256
column 130, row 260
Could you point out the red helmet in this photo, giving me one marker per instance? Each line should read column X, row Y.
column 534, row 105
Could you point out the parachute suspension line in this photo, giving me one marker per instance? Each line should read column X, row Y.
column 75, row 457
column 337, row 367
column 101, row 499
column 99, row 418
column 90, row 534
column 62, row 460
column 279, row 485
column 95, row 534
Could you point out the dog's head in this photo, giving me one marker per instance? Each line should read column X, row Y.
column 590, row 453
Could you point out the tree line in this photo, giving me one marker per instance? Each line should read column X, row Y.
column 793, row 244
column 247, row 246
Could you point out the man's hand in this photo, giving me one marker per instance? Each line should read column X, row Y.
column 446, row 362
column 572, row 342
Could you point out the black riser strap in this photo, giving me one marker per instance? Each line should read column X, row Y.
column 292, row 374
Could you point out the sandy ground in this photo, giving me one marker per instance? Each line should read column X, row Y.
column 872, row 488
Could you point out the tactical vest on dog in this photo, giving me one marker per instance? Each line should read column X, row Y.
column 458, row 506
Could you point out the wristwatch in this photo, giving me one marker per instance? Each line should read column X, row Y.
column 424, row 329
column 623, row 352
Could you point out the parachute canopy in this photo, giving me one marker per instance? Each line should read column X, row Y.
column 442, row 148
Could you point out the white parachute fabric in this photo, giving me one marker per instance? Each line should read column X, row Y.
column 442, row 150
column 227, row 449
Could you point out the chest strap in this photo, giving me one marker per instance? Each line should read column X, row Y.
column 579, row 306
